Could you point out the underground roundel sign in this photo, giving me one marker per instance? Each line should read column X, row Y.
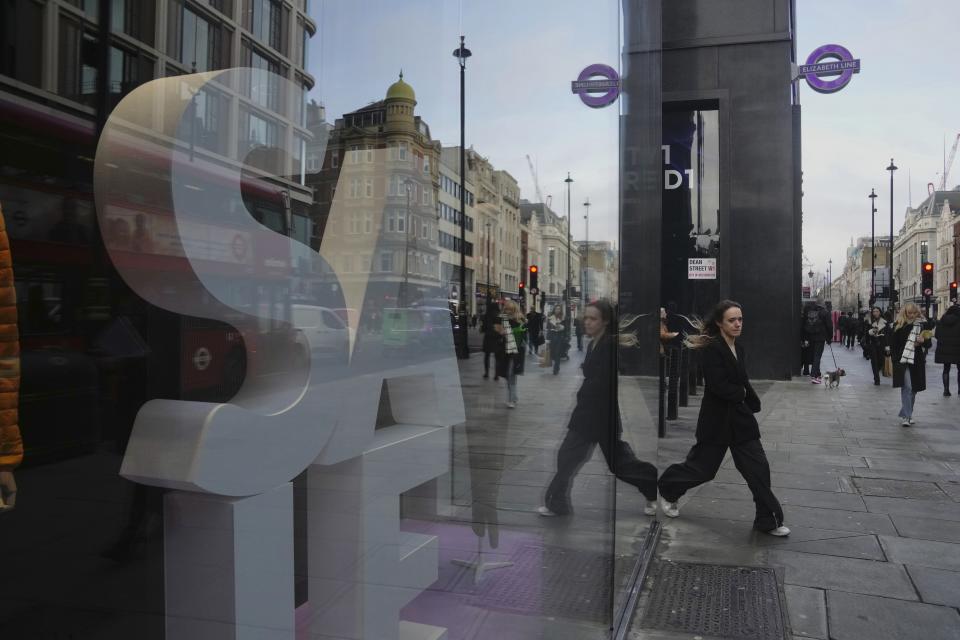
column 829, row 68
column 598, row 85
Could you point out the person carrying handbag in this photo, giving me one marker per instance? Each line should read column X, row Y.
column 908, row 350
column 875, row 342
column 511, row 352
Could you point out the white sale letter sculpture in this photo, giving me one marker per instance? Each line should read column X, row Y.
column 228, row 521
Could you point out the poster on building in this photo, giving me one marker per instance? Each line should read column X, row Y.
column 702, row 269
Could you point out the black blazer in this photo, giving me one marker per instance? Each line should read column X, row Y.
column 729, row 401
column 597, row 414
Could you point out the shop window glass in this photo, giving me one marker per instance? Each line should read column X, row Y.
column 21, row 40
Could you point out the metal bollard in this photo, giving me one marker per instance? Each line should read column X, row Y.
column 661, row 397
column 684, row 399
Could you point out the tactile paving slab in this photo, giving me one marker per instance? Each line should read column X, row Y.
column 741, row 603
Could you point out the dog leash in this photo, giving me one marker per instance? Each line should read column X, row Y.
column 836, row 367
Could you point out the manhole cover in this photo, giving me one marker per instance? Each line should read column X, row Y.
column 899, row 489
column 547, row 581
column 714, row 600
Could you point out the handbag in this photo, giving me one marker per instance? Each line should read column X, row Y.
column 887, row 367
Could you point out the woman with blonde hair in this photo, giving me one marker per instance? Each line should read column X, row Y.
column 726, row 422
column 512, row 349
column 908, row 348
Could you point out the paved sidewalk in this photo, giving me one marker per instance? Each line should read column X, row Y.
column 874, row 507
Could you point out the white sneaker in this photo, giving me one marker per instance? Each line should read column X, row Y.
column 669, row 509
column 905, row 422
column 910, row 421
column 651, row 508
column 546, row 513
column 780, row 531
column 511, row 405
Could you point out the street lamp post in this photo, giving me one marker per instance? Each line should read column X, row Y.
column 404, row 295
column 489, row 296
column 566, row 291
column 891, row 169
column 586, row 249
column 873, row 246
column 461, row 53
column 830, row 280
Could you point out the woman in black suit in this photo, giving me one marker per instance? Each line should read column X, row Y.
column 726, row 421
column 596, row 420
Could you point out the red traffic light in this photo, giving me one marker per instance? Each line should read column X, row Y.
column 522, row 285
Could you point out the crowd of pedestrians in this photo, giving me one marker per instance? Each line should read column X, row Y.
column 897, row 348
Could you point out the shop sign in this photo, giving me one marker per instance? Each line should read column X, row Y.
column 702, row 269
column 598, row 86
column 829, row 68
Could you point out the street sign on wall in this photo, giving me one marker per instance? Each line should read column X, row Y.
column 598, row 85
column 829, row 68
column 702, row 269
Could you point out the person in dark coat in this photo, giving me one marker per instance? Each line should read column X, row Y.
column 491, row 338
column 875, row 342
column 817, row 331
column 948, row 345
column 596, row 420
column 908, row 349
column 534, row 331
column 726, row 421
column 511, row 353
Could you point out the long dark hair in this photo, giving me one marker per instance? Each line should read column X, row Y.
column 608, row 313
column 709, row 328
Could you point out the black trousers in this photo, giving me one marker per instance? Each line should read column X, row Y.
column 704, row 461
column 946, row 377
column 877, row 356
column 622, row 462
column 816, row 352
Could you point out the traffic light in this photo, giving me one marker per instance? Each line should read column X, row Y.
column 534, row 276
column 926, row 279
column 953, row 291
column 522, row 286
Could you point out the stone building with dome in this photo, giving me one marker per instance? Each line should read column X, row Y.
column 375, row 217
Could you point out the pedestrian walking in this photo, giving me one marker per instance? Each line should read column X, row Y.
column 491, row 338
column 817, row 331
column 556, row 334
column 596, row 419
column 948, row 345
column 850, row 330
column 578, row 331
column 535, row 331
column 726, row 421
column 512, row 349
column 875, row 342
column 908, row 348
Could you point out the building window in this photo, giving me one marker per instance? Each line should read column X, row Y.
column 924, row 250
column 263, row 85
column 399, row 151
column 334, row 159
column 386, row 261
column 21, row 40
column 77, row 65
column 368, row 187
column 355, row 188
column 313, row 162
column 552, row 264
column 194, row 40
column 264, row 19
column 258, row 131
column 135, row 18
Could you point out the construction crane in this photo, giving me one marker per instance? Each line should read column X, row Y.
column 947, row 165
column 536, row 181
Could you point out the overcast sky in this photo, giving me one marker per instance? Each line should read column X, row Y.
column 901, row 105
